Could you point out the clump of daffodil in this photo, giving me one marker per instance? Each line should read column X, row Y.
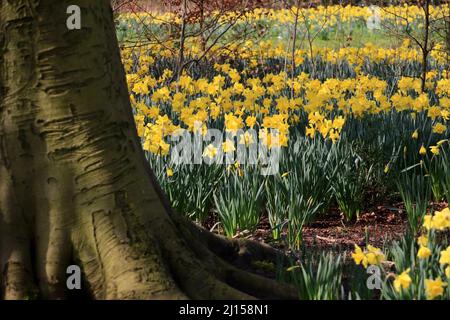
column 327, row 128
column 439, row 221
column 371, row 256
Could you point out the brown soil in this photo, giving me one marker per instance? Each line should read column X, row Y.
column 377, row 226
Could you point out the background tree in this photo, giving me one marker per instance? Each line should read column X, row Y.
column 75, row 185
column 120, row 5
column 309, row 33
column 421, row 36
column 203, row 22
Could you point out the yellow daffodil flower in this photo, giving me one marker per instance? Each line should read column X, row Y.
column 402, row 281
column 434, row 288
column 424, row 252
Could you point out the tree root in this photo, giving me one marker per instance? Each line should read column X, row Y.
column 225, row 258
column 240, row 252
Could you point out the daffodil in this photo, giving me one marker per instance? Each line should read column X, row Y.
column 439, row 128
column 422, row 150
column 422, row 240
column 374, row 255
column 334, row 135
column 445, row 256
column 250, row 121
column 434, row 288
column 435, row 150
column 210, row 151
column 424, row 252
column 359, row 257
column 310, row 132
column 441, row 219
column 228, row 146
column 402, row 281
column 246, row 139
column 428, row 222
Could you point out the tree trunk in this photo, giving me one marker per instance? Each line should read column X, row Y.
column 180, row 65
column 74, row 183
column 425, row 48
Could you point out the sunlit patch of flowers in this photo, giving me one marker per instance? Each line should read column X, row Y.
column 262, row 104
column 324, row 110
